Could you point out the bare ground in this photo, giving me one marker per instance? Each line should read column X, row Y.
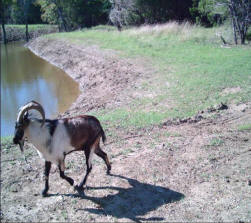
column 188, row 170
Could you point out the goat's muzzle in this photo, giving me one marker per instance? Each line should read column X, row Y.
column 18, row 136
column 19, row 142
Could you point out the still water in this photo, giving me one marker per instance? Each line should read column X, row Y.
column 26, row 77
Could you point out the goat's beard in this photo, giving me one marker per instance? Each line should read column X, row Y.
column 21, row 145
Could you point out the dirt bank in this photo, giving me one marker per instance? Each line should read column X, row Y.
column 189, row 170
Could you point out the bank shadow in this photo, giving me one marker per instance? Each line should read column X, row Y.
column 132, row 202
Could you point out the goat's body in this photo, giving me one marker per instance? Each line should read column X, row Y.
column 59, row 137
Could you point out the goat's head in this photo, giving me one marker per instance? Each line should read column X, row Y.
column 23, row 121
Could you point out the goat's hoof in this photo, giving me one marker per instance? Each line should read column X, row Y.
column 44, row 193
column 71, row 182
column 78, row 188
column 108, row 172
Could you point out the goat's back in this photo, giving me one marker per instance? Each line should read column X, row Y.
column 83, row 130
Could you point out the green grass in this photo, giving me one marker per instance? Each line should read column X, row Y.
column 6, row 142
column 216, row 142
column 189, row 58
column 244, row 127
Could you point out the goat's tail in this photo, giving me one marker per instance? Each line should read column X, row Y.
column 103, row 135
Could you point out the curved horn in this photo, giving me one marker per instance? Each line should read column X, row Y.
column 31, row 105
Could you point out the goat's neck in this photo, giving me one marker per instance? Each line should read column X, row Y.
column 36, row 134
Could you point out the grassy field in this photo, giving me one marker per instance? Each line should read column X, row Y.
column 193, row 70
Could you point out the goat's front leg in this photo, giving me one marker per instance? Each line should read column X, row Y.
column 62, row 175
column 46, row 176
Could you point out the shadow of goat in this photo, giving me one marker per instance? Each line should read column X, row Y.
column 132, row 202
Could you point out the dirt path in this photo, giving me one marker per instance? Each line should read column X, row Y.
column 172, row 172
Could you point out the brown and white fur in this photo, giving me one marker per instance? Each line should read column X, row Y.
column 54, row 139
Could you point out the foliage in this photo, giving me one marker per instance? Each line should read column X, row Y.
column 135, row 12
column 75, row 13
column 48, row 10
column 212, row 12
column 240, row 14
column 4, row 10
column 203, row 13
column 17, row 13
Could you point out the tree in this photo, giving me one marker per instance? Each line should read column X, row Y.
column 93, row 12
column 59, row 8
column 136, row 12
column 121, row 11
column 26, row 7
column 5, row 4
column 240, row 14
column 203, row 13
column 72, row 14
column 17, row 13
column 53, row 12
column 48, row 9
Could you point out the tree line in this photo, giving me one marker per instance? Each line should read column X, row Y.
column 76, row 14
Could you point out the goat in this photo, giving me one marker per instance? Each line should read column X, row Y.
column 54, row 139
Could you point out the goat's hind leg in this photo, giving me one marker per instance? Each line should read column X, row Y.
column 88, row 156
column 46, row 176
column 61, row 167
column 103, row 155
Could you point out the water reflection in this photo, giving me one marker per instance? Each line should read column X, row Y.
column 25, row 77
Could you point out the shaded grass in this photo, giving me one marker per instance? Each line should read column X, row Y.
column 17, row 32
column 31, row 26
column 189, row 58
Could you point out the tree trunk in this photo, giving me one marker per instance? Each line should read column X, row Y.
column 26, row 30
column 243, row 37
column 3, row 27
column 26, row 8
column 4, row 33
column 234, row 31
column 60, row 14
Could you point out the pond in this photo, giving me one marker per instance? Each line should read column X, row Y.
column 26, row 77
